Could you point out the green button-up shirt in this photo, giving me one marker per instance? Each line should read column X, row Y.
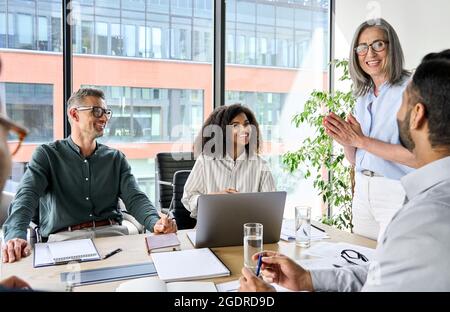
column 70, row 189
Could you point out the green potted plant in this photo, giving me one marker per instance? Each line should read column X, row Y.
column 320, row 158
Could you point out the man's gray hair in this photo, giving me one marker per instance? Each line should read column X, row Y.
column 362, row 82
column 76, row 99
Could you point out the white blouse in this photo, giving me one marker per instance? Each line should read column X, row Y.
column 209, row 175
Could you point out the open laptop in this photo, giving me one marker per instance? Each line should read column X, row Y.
column 220, row 218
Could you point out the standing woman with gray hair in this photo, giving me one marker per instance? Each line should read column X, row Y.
column 370, row 137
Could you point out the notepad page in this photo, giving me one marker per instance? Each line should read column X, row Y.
column 72, row 250
column 42, row 255
column 188, row 264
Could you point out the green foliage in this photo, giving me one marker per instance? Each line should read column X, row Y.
column 318, row 152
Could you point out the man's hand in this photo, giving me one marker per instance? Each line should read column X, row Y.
column 279, row 269
column 14, row 282
column 249, row 282
column 15, row 249
column 165, row 225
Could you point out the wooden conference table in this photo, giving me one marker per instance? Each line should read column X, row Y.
column 134, row 252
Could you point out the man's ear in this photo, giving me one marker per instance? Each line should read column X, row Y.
column 73, row 114
column 418, row 116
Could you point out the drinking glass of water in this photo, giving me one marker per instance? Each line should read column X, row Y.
column 303, row 226
column 253, row 243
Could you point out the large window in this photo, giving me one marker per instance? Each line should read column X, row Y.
column 153, row 60
column 31, row 83
column 30, row 25
column 31, row 104
column 151, row 114
column 158, row 106
column 263, row 33
column 284, row 47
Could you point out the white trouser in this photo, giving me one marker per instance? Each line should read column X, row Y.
column 375, row 201
column 101, row 231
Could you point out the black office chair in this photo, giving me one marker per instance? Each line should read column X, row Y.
column 172, row 171
column 176, row 208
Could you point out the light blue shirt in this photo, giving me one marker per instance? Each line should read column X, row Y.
column 378, row 119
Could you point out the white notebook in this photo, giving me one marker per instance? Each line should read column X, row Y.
column 62, row 252
column 188, row 265
column 149, row 284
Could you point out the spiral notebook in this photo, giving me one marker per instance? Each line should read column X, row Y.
column 53, row 253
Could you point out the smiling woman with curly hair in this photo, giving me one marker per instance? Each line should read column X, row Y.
column 228, row 160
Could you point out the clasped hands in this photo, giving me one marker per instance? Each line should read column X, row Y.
column 345, row 132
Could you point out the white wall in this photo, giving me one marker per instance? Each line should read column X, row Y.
column 423, row 26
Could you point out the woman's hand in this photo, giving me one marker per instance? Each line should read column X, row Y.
column 346, row 133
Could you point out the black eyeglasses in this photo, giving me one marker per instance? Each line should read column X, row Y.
column 377, row 46
column 350, row 254
column 16, row 134
column 97, row 111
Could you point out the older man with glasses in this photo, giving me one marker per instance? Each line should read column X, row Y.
column 75, row 185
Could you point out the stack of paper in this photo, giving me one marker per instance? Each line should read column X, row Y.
column 288, row 232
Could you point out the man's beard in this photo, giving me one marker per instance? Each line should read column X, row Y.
column 405, row 134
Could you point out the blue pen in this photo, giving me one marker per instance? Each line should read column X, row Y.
column 258, row 266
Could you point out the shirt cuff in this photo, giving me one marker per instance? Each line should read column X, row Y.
column 10, row 234
column 193, row 205
column 324, row 280
column 151, row 224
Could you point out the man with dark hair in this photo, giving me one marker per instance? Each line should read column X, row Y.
column 75, row 185
column 414, row 251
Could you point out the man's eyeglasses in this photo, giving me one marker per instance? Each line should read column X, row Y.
column 16, row 134
column 97, row 111
column 377, row 46
column 351, row 256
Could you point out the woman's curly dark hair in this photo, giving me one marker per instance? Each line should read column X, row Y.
column 222, row 117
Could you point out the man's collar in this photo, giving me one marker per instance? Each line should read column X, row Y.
column 426, row 177
column 76, row 148
column 73, row 145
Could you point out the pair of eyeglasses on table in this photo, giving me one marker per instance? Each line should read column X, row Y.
column 352, row 257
